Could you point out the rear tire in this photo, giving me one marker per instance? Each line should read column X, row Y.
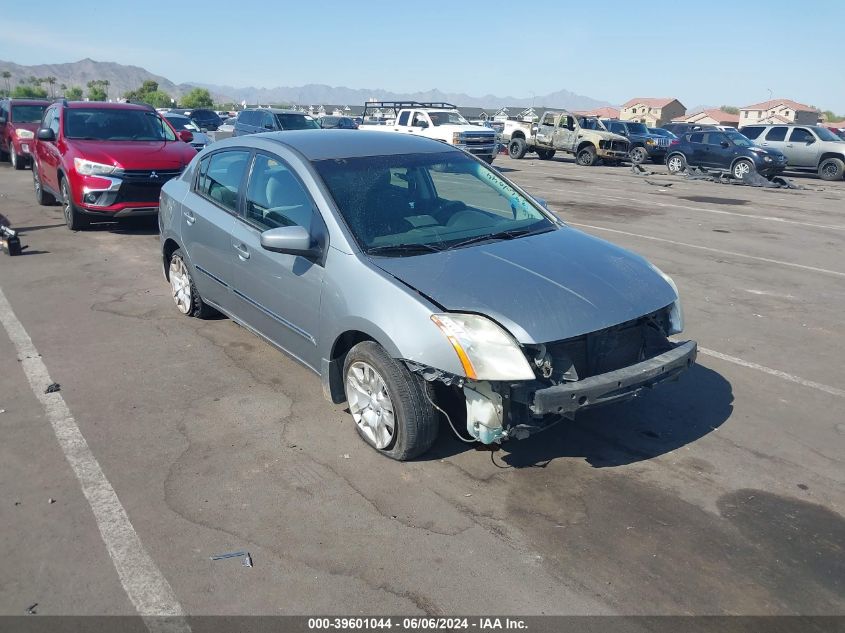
column 415, row 421
column 183, row 289
column 73, row 218
column 41, row 197
column 676, row 163
column 587, row 156
column 517, row 148
column 831, row 169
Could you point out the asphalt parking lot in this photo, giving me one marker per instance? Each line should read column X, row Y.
column 723, row 493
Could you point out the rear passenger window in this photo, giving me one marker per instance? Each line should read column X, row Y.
column 403, row 118
column 800, row 135
column 751, row 132
column 220, row 177
column 776, row 134
column 715, row 138
column 275, row 197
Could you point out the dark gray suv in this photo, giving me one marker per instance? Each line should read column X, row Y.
column 256, row 120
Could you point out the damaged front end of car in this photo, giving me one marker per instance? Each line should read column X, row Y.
column 513, row 390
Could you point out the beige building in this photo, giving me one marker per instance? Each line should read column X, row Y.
column 653, row 111
column 602, row 113
column 779, row 111
column 712, row 116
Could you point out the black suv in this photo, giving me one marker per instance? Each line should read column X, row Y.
column 205, row 119
column 643, row 143
column 728, row 151
column 256, row 120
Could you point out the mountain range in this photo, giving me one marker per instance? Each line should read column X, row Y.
column 124, row 78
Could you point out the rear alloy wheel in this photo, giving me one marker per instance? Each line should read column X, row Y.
column 638, row 155
column 517, row 148
column 185, row 294
column 41, row 197
column 587, row 156
column 390, row 406
column 676, row 163
column 73, row 218
column 831, row 169
column 742, row 168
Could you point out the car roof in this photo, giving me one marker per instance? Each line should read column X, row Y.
column 330, row 144
column 783, row 125
column 104, row 105
column 275, row 111
column 34, row 101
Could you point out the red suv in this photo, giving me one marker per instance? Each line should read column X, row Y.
column 19, row 119
column 105, row 160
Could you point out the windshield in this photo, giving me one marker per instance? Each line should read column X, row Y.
column 637, row 128
column 28, row 113
column 826, row 135
column 296, row 122
column 101, row 124
column 182, row 123
column 447, row 118
column 739, row 140
column 591, row 123
column 396, row 204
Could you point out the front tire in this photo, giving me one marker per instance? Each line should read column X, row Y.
column 73, row 218
column 41, row 197
column 587, row 156
column 742, row 169
column 389, row 404
column 183, row 289
column 831, row 169
column 18, row 162
column 676, row 163
column 638, row 155
column 517, row 148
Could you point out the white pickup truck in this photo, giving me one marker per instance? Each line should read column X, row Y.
column 439, row 121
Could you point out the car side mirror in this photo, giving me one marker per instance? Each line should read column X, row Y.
column 46, row 134
column 810, row 141
column 268, row 126
column 185, row 135
column 422, row 125
column 291, row 240
column 725, row 144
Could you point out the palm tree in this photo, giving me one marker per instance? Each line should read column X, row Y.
column 7, row 75
column 105, row 83
column 51, row 81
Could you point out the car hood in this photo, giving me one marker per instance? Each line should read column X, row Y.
column 541, row 288
column 602, row 134
column 137, row 154
column 771, row 151
column 32, row 127
column 458, row 127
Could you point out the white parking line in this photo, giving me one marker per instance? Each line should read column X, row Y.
column 834, row 391
column 143, row 582
column 767, row 260
column 750, row 216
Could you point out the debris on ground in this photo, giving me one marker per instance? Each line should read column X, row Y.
column 247, row 558
column 346, row 456
column 53, row 388
column 2, row 410
column 30, row 610
column 51, row 500
column 752, row 179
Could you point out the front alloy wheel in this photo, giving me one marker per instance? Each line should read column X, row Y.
column 742, row 168
column 676, row 164
column 370, row 404
column 73, row 218
column 638, row 155
column 180, row 285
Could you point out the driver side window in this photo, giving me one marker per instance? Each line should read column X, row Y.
column 275, row 197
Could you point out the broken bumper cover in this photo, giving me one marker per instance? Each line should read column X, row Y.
column 620, row 384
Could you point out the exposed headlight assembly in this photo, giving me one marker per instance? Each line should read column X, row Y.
column 676, row 312
column 21, row 133
column 486, row 351
column 90, row 168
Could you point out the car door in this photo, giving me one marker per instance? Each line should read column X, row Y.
column 275, row 293
column 4, row 127
column 403, row 120
column 49, row 156
column 546, row 129
column 775, row 137
column 564, row 135
column 208, row 218
column 716, row 154
column 803, row 148
column 696, row 154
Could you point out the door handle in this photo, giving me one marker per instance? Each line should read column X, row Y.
column 190, row 218
column 242, row 250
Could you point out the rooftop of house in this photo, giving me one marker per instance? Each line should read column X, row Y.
column 651, row 102
column 774, row 103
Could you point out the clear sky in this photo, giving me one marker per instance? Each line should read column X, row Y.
column 711, row 52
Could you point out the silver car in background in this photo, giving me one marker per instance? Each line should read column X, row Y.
column 416, row 281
